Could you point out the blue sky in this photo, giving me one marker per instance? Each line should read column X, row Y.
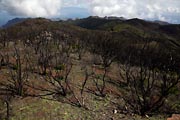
column 164, row 10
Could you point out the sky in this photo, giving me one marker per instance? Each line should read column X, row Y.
column 164, row 10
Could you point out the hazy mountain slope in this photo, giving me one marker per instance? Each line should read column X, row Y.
column 172, row 30
column 130, row 30
column 131, row 26
column 29, row 29
column 13, row 22
column 92, row 22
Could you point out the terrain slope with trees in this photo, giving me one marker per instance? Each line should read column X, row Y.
column 91, row 68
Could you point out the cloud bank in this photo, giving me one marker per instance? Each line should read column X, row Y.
column 74, row 12
column 166, row 10
column 31, row 8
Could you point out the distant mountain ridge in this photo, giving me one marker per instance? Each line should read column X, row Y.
column 131, row 28
column 13, row 22
column 96, row 22
column 76, row 22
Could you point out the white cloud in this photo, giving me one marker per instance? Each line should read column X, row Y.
column 166, row 10
column 145, row 9
column 31, row 8
column 76, row 3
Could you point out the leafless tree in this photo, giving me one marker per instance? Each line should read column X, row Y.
column 18, row 75
column 149, row 85
column 44, row 52
column 6, row 98
column 105, row 49
column 4, row 37
column 4, row 59
column 80, row 48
